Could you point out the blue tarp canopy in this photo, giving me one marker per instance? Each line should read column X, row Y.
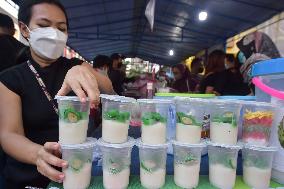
column 108, row 26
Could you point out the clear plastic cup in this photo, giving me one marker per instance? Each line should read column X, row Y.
column 190, row 116
column 73, row 119
column 257, row 121
column 116, row 163
column 79, row 157
column 257, row 165
column 224, row 121
column 154, row 120
column 223, row 165
column 116, row 119
column 187, row 164
column 152, row 165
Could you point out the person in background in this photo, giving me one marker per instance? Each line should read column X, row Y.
column 234, row 83
column 196, row 70
column 116, row 76
column 9, row 51
column 9, row 46
column 183, row 82
column 102, row 63
column 214, row 79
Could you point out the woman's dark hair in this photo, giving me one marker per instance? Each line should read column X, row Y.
column 101, row 61
column 216, row 62
column 183, row 70
column 25, row 11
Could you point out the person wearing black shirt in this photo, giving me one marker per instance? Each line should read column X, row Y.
column 9, row 50
column 235, row 84
column 215, row 77
column 115, row 74
column 9, row 46
column 29, row 123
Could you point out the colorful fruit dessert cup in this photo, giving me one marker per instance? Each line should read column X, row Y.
column 116, row 163
column 187, row 164
column 222, row 165
column 152, row 165
column 154, row 121
column 73, row 120
column 190, row 117
column 257, row 124
column 79, row 157
column 224, row 122
column 257, row 165
column 115, row 120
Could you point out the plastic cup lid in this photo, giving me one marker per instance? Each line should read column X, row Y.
column 90, row 143
column 140, row 144
column 182, row 144
column 238, row 146
column 154, row 101
column 260, row 148
column 129, row 144
column 268, row 67
column 69, row 98
column 191, row 100
column 263, row 104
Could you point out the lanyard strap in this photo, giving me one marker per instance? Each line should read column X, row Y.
column 43, row 87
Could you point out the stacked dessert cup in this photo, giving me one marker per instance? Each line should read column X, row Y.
column 115, row 145
column 223, row 146
column 257, row 122
column 153, row 144
column 76, row 148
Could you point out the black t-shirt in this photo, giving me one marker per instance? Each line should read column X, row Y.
column 235, row 84
column 9, row 51
column 225, row 83
column 40, row 121
column 216, row 80
column 117, row 80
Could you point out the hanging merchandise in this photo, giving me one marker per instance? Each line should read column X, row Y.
column 150, row 13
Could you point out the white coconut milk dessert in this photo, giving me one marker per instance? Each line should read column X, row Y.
column 186, row 176
column 78, row 174
column 73, row 126
column 221, row 176
column 188, row 129
column 153, row 128
column 151, row 176
column 223, row 129
column 257, row 177
column 116, row 179
column 115, row 126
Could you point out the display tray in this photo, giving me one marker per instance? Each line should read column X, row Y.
column 97, row 183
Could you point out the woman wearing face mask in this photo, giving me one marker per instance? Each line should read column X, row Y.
column 183, row 81
column 29, row 120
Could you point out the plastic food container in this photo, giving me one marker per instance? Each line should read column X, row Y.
column 223, row 165
column 224, row 121
column 154, row 120
column 116, row 163
column 257, row 165
column 187, row 164
column 152, row 165
column 268, row 77
column 115, row 119
column 257, row 121
column 73, row 119
column 79, row 157
column 190, row 116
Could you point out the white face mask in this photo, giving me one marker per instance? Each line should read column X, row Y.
column 103, row 71
column 48, row 42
